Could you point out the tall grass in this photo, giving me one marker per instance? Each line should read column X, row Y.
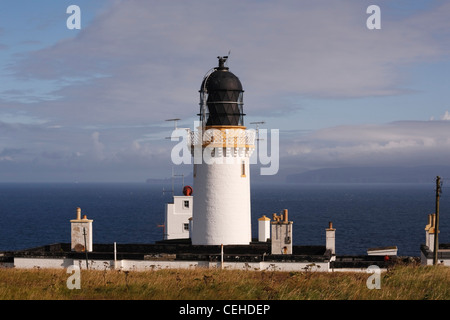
column 399, row 283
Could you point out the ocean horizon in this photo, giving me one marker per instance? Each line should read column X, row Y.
column 365, row 215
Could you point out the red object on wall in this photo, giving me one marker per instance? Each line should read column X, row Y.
column 187, row 190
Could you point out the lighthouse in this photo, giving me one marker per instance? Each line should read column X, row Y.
column 221, row 147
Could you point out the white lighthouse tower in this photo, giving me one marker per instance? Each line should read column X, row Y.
column 221, row 147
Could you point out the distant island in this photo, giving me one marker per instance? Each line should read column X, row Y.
column 420, row 174
column 176, row 180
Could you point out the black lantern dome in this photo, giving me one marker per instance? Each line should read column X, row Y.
column 221, row 98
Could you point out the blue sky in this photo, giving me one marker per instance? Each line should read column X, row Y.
column 91, row 104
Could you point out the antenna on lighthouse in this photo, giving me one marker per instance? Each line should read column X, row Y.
column 175, row 121
column 173, row 182
column 228, row 56
column 257, row 128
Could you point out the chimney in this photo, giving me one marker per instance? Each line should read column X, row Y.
column 263, row 229
column 281, row 234
column 427, row 231
column 330, row 241
column 431, row 232
column 81, row 229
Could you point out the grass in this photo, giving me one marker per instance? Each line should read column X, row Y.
column 398, row 283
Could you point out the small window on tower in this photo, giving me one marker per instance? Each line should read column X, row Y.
column 186, row 226
column 186, row 204
column 243, row 169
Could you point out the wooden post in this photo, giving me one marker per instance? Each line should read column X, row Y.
column 85, row 248
column 436, row 228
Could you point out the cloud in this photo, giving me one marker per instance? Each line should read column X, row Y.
column 94, row 104
column 8, row 154
column 403, row 143
column 97, row 146
column 72, row 154
column 145, row 60
column 42, row 152
column 446, row 116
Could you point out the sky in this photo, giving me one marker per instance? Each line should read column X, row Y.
column 91, row 104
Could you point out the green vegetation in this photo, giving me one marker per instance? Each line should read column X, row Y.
column 399, row 283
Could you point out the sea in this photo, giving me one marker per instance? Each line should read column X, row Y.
column 364, row 215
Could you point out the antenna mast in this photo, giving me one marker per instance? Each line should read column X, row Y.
column 173, row 178
column 257, row 128
column 175, row 120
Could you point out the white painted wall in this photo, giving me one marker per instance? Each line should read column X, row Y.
column 222, row 212
column 177, row 216
column 429, row 261
column 149, row 265
column 389, row 252
column 281, row 238
column 77, row 235
column 330, row 240
column 46, row 263
column 431, row 241
column 263, row 229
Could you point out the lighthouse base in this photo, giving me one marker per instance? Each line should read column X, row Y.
column 222, row 209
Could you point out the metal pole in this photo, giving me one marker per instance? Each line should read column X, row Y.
column 85, row 248
column 115, row 254
column 436, row 227
column 221, row 256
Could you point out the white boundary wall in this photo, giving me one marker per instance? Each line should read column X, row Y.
column 149, row 265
